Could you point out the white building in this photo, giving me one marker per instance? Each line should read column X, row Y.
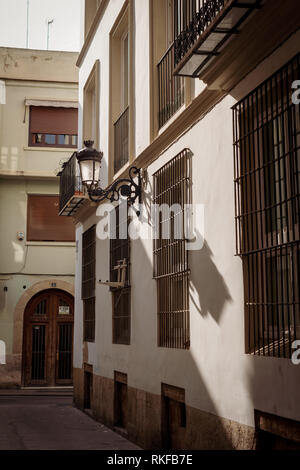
column 195, row 351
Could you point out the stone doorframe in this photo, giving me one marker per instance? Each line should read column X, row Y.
column 20, row 309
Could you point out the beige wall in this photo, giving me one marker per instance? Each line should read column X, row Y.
column 15, row 153
column 27, row 170
column 38, row 65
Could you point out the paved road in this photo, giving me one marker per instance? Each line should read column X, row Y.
column 52, row 423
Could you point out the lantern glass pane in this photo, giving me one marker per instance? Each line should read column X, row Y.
column 90, row 172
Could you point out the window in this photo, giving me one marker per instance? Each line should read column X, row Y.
column 88, row 282
column 120, row 91
column 267, row 149
column 171, row 271
column 120, row 253
column 53, row 127
column 91, row 106
column 125, row 71
column 168, row 90
column 43, row 221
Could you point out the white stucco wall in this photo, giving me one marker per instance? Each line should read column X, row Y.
column 216, row 373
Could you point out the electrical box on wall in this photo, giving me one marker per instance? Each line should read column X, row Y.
column 20, row 236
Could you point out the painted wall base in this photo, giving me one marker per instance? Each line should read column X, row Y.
column 203, row 431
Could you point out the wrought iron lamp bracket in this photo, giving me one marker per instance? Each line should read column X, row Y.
column 125, row 187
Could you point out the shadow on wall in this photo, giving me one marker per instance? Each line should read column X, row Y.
column 208, row 284
column 204, row 429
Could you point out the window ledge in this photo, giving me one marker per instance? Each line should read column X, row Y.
column 172, row 119
column 50, row 149
column 121, row 171
column 69, row 244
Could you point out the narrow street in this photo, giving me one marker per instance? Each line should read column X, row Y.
column 52, row 423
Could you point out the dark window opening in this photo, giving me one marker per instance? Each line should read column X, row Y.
column 171, row 268
column 88, row 282
column 267, row 158
column 120, row 254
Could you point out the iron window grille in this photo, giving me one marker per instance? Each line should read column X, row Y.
column 170, row 88
column 266, row 152
column 171, row 268
column 88, row 282
column 121, row 136
column 121, row 299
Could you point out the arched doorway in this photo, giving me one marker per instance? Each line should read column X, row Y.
column 48, row 339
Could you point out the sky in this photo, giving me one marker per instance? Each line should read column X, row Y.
column 65, row 32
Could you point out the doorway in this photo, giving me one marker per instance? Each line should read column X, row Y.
column 173, row 417
column 48, row 339
column 88, row 386
column 120, row 400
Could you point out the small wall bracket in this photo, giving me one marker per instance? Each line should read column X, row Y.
column 121, row 277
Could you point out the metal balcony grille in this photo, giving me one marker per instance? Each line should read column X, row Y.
column 267, row 178
column 191, row 18
column 201, row 28
column 171, row 270
column 170, row 88
column 71, row 192
column 121, row 134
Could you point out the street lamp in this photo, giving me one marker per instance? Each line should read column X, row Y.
column 89, row 160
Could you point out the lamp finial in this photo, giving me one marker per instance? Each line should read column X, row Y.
column 88, row 143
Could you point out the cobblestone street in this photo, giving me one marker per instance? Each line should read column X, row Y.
column 52, row 423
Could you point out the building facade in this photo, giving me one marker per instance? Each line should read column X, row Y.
column 38, row 129
column 196, row 349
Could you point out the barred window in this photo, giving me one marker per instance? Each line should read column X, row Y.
column 171, row 271
column 88, row 282
column 120, row 253
column 266, row 145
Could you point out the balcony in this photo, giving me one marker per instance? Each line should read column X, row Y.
column 71, row 191
column 203, row 28
column 121, row 135
column 170, row 88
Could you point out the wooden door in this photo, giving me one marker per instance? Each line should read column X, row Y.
column 175, row 424
column 48, row 339
column 120, row 405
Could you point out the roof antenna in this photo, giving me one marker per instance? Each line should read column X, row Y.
column 48, row 31
column 27, row 28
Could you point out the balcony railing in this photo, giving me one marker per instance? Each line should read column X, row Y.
column 71, row 191
column 121, row 133
column 201, row 27
column 170, row 88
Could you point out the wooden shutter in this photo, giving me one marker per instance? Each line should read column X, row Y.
column 47, row 120
column 44, row 223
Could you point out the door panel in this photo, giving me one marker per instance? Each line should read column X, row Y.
column 48, row 339
column 64, row 353
column 38, row 353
